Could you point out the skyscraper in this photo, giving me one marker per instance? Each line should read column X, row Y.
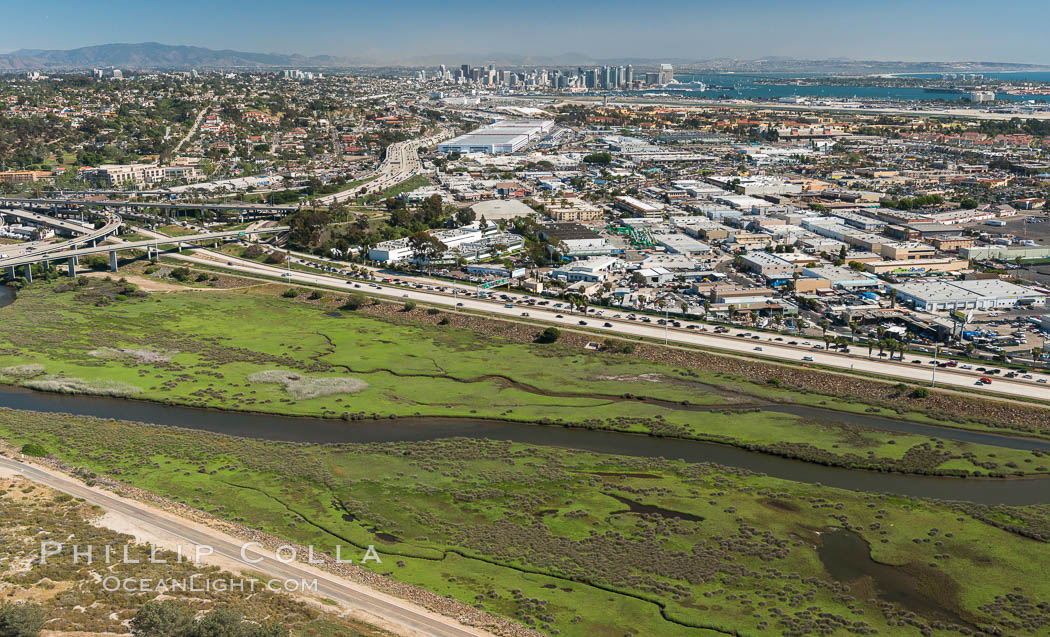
column 630, row 75
column 666, row 74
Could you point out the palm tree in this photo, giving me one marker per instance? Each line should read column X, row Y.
column 824, row 325
column 853, row 325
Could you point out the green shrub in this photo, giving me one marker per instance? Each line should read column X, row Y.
column 180, row 274
column 290, row 293
column 20, row 620
column 253, row 251
column 354, row 302
column 34, row 449
column 549, row 335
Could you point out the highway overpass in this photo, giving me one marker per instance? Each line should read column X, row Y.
column 70, row 227
column 92, row 236
column 241, row 209
column 152, row 247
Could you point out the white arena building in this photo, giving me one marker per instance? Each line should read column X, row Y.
column 505, row 136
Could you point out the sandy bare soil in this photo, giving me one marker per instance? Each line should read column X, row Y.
column 147, row 284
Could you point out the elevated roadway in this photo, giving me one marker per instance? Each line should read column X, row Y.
column 54, row 204
column 152, row 246
column 39, row 252
column 51, row 222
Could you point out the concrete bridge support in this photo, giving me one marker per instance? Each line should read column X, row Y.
column 29, row 272
column 11, row 274
column 72, row 266
column 113, row 260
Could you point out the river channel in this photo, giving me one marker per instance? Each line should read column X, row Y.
column 1019, row 491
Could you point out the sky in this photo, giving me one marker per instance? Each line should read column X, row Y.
column 909, row 30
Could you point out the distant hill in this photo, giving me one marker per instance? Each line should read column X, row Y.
column 155, row 56
column 151, row 55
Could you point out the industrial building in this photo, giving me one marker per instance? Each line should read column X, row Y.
column 984, row 294
column 505, row 136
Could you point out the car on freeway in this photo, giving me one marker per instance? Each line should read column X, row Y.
column 558, row 316
column 807, row 359
column 758, row 349
column 583, row 322
column 524, row 313
column 1041, row 380
column 917, row 362
column 459, row 305
column 607, row 325
column 984, row 380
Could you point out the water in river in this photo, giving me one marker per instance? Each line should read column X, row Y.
column 316, row 430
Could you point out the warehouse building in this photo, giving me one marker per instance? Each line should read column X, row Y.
column 505, row 136
column 985, row 294
column 840, row 277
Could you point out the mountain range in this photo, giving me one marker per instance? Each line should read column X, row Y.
column 155, row 56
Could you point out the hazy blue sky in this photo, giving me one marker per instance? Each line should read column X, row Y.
column 1008, row 30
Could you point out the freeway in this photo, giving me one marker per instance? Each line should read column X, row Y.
column 53, row 222
column 401, row 163
column 37, row 252
column 151, row 244
column 923, row 372
column 189, row 535
column 118, row 204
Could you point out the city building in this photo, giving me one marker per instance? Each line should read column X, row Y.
column 505, row 136
column 984, row 294
column 24, row 176
column 590, row 269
